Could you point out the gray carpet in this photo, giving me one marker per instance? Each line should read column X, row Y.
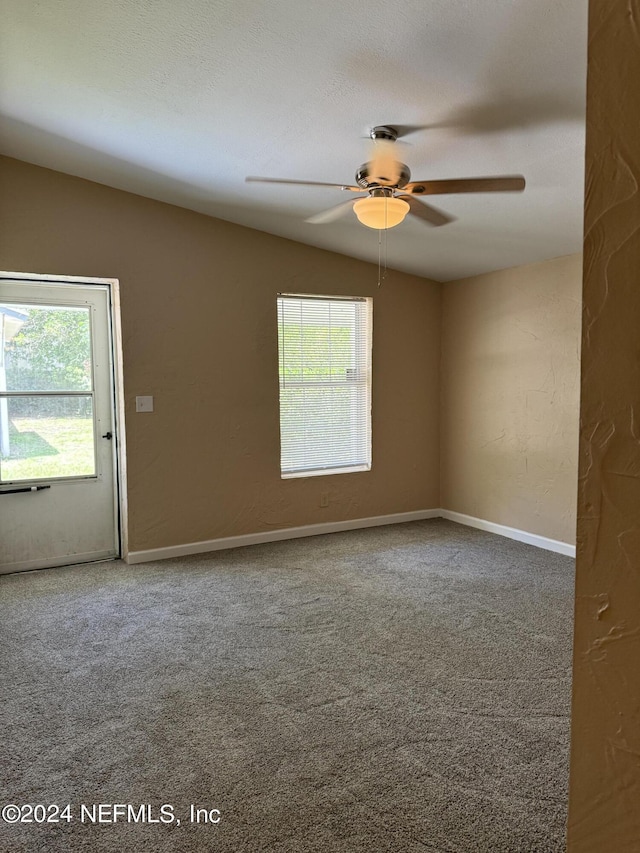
column 396, row 689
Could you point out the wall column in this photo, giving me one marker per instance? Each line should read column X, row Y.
column 604, row 800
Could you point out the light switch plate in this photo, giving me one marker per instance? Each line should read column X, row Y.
column 144, row 404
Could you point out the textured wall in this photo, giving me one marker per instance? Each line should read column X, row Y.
column 510, row 388
column 604, row 810
column 199, row 328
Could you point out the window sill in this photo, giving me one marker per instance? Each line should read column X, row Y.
column 324, row 472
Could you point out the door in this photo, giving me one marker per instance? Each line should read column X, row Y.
column 57, row 430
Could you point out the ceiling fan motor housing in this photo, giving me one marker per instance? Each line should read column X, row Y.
column 366, row 176
column 367, row 180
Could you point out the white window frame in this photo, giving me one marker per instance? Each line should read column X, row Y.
column 363, row 378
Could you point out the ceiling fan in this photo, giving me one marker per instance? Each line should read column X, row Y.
column 391, row 192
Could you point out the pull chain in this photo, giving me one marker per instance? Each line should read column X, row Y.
column 382, row 277
column 386, row 235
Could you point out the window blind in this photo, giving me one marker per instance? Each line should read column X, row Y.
column 324, row 346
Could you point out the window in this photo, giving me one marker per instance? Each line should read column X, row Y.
column 324, row 346
column 47, row 425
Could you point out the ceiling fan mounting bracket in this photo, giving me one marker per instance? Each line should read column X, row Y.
column 383, row 131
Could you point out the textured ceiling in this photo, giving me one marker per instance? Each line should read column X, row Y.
column 180, row 101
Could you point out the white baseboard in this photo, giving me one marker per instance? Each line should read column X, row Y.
column 511, row 532
column 352, row 524
column 277, row 535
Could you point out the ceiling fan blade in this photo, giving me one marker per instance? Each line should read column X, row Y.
column 499, row 184
column 408, row 129
column 504, row 112
column 254, row 179
column 332, row 213
column 425, row 211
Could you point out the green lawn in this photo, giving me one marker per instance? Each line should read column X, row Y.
column 49, row 447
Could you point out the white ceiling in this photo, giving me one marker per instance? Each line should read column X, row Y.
column 179, row 100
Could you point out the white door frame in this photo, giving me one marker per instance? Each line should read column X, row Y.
column 120, row 472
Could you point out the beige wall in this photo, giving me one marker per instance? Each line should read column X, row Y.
column 199, row 329
column 604, row 809
column 198, row 313
column 510, row 388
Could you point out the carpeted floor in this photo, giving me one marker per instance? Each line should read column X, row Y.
column 399, row 689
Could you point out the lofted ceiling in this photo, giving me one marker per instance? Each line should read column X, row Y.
column 179, row 100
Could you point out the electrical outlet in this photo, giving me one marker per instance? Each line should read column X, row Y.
column 324, row 499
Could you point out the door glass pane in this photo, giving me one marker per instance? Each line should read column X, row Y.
column 45, row 437
column 45, row 348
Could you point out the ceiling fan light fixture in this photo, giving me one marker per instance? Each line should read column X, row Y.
column 381, row 212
